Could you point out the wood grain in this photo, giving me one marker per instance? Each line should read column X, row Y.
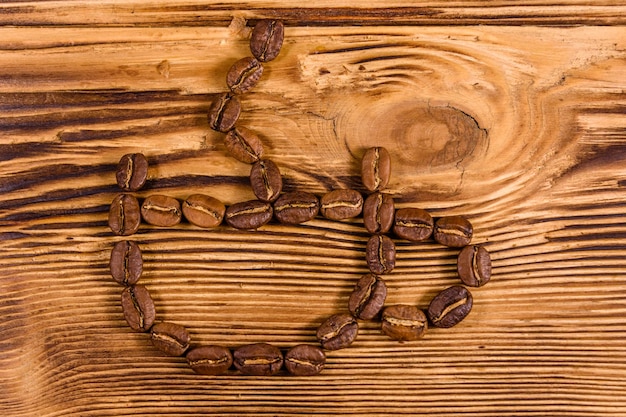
column 521, row 128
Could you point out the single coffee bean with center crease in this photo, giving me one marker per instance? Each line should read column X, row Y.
column 305, row 360
column 338, row 331
column 267, row 39
column 368, row 297
column 260, row 359
column 209, row 360
column 380, row 254
column 375, row 168
column 138, row 308
column 248, row 215
column 413, row 224
column 403, row 322
column 378, row 212
column 296, row 207
column 132, row 171
column 170, row 338
column 224, row 112
column 474, row 266
column 243, row 75
column 244, row 145
column 341, row 204
column 453, row 231
column 124, row 215
column 161, row 210
column 203, row 211
column 265, row 180
column 126, row 263
column 450, row 306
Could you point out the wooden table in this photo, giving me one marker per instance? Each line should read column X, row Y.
column 510, row 113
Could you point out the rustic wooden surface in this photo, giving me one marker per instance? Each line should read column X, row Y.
column 512, row 113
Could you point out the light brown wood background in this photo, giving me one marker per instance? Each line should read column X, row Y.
column 512, row 113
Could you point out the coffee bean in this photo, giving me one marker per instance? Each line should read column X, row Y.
column 209, row 360
column 305, row 360
column 267, row 39
column 380, row 254
column 453, row 231
column 474, row 266
column 368, row 297
column 259, row 359
column 265, row 180
column 138, row 308
column 404, row 322
column 296, row 207
column 243, row 145
column 413, row 224
column 378, row 212
column 203, row 211
column 224, row 112
column 126, row 263
column 124, row 215
column 341, row 204
column 338, row 331
column 161, row 210
column 450, row 306
column 243, row 75
column 132, row 171
column 248, row 215
column 170, row 338
column 375, row 168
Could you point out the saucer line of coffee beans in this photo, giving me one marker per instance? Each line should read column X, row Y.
column 380, row 218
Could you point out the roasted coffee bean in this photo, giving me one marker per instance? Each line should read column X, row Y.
column 305, row 360
column 450, row 306
column 413, row 224
column 267, row 39
column 341, row 204
column 380, row 254
column 126, row 263
column 259, row 359
column 138, row 308
column 209, row 360
column 170, row 338
column 296, row 207
column 243, row 145
column 375, row 168
column 249, row 215
column 132, row 171
column 453, row 231
column 265, row 180
column 378, row 212
column 368, row 297
column 124, row 215
column 474, row 266
column 338, row 331
column 203, row 210
column 243, row 75
column 224, row 112
column 403, row 322
column 161, row 210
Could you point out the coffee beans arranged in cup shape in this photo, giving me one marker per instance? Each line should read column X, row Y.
column 338, row 331
column 138, row 308
column 132, row 171
column 474, row 266
column 296, row 207
column 413, row 224
column 260, row 359
column 124, row 215
column 209, row 360
column 267, row 39
column 170, row 338
column 224, row 112
column 404, row 322
column 305, row 360
column 450, row 306
column 380, row 254
column 375, row 168
column 341, row 204
column 453, row 231
column 243, row 75
column 378, row 213
column 161, row 210
column 249, row 215
column 244, row 145
column 126, row 263
column 368, row 297
column 265, row 180
column 203, row 210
